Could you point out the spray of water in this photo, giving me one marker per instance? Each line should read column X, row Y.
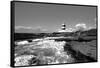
column 43, row 52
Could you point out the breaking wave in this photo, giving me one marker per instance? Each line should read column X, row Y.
column 42, row 52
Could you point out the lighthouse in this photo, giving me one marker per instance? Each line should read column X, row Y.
column 63, row 27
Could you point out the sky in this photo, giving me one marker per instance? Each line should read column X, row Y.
column 37, row 18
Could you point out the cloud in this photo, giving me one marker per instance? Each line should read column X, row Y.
column 91, row 28
column 81, row 26
column 28, row 29
column 22, row 27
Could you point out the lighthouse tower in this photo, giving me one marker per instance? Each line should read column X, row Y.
column 63, row 27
